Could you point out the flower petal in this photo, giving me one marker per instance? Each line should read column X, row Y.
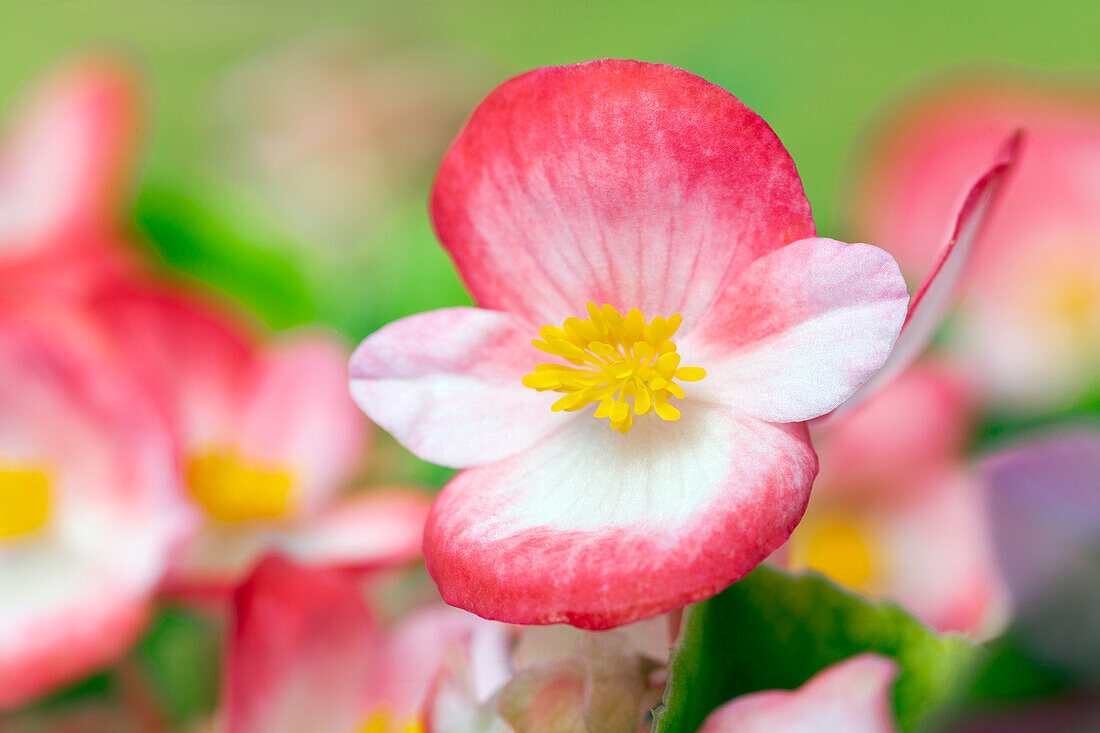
column 369, row 530
column 852, row 696
column 295, row 412
column 301, row 646
column 598, row 529
column 916, row 425
column 448, row 385
column 366, row 530
column 940, row 287
column 65, row 165
column 800, row 330
column 621, row 182
column 197, row 360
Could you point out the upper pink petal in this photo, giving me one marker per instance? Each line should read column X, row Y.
column 853, row 696
column 597, row 529
column 197, row 359
column 800, row 330
column 64, row 165
column 448, row 385
column 76, row 590
column 621, row 182
column 300, row 648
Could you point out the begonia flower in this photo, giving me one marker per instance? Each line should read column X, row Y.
column 898, row 513
column 853, row 696
column 269, row 440
column 650, row 234
column 64, row 162
column 90, row 509
column 307, row 653
column 1030, row 324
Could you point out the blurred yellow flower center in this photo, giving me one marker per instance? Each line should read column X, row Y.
column 381, row 721
column 232, row 490
column 1075, row 301
column 838, row 548
column 24, row 501
column 624, row 363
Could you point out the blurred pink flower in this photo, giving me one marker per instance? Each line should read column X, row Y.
column 89, row 504
column 1031, row 324
column 307, row 653
column 647, row 188
column 269, row 439
column 853, row 696
column 896, row 511
column 64, row 167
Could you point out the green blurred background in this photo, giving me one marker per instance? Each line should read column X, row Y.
column 817, row 71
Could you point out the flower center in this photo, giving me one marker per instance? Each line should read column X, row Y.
column 382, row 721
column 622, row 362
column 840, row 548
column 24, row 501
column 232, row 490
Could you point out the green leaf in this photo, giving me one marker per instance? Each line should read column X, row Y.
column 215, row 237
column 774, row 630
column 180, row 657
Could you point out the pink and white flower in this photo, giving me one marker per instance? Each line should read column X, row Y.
column 89, row 504
column 307, row 653
column 1030, row 325
column 853, row 696
column 64, row 164
column 667, row 208
column 269, row 440
column 897, row 511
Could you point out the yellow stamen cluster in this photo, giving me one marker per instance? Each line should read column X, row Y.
column 840, row 548
column 24, row 501
column 622, row 362
column 382, row 721
column 234, row 491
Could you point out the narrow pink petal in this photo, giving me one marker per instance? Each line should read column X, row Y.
column 800, row 330
column 300, row 648
column 940, row 287
column 598, row 529
column 621, row 182
column 296, row 412
column 63, row 166
column 853, row 696
column 367, row 530
column 448, row 385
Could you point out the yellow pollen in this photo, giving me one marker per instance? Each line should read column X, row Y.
column 24, row 501
column 381, row 721
column 839, row 548
column 622, row 362
column 232, row 490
